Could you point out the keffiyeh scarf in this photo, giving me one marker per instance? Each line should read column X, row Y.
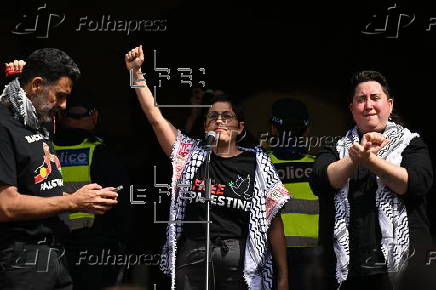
column 392, row 213
column 269, row 196
column 15, row 98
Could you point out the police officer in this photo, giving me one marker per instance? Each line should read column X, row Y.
column 86, row 159
column 288, row 152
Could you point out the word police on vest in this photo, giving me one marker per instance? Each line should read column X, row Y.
column 290, row 172
column 73, row 157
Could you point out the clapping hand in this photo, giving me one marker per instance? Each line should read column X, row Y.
column 371, row 145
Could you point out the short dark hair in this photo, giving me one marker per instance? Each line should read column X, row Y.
column 51, row 64
column 236, row 106
column 368, row 76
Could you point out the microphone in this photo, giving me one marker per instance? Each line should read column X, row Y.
column 210, row 138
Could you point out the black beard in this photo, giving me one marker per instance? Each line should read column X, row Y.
column 39, row 102
column 44, row 117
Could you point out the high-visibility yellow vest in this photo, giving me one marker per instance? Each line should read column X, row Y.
column 76, row 170
column 300, row 214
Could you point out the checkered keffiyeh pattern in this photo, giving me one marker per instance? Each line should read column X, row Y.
column 392, row 213
column 269, row 196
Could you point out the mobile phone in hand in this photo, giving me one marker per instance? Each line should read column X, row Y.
column 118, row 188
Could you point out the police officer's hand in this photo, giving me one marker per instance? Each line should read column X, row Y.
column 134, row 58
column 93, row 198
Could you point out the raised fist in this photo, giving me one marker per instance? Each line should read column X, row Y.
column 134, row 58
column 14, row 67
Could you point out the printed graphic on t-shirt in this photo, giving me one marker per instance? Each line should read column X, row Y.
column 46, row 168
column 240, row 188
column 232, row 192
column 33, row 138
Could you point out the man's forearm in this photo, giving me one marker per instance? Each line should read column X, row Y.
column 15, row 206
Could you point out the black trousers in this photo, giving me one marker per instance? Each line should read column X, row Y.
column 305, row 269
column 26, row 266
column 418, row 275
column 226, row 267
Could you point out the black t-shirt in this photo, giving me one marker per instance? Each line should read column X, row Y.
column 231, row 193
column 28, row 162
column 364, row 226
